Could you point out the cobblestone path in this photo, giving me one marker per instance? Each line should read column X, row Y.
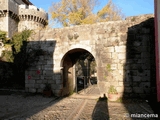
column 76, row 107
column 72, row 108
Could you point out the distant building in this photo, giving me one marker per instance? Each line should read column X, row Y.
column 17, row 15
column 157, row 42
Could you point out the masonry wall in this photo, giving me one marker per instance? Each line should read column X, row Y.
column 123, row 50
column 124, row 53
column 3, row 24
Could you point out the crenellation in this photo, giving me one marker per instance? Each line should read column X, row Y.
column 25, row 15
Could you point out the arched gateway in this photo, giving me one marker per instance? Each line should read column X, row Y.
column 78, row 70
column 122, row 51
column 74, row 62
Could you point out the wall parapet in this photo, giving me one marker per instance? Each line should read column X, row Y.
column 33, row 14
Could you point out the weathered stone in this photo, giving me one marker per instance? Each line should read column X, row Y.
column 120, row 89
column 121, row 83
column 51, row 81
column 137, row 78
column 29, row 85
column 39, row 81
column 40, row 90
column 138, row 90
column 119, row 45
column 32, row 90
column 120, row 66
column 128, row 90
column 58, row 81
column 113, row 66
column 114, row 55
column 36, row 85
column 120, row 49
column 121, row 56
column 42, row 86
column 145, row 54
column 109, row 49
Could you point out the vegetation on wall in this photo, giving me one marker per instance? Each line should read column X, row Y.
column 15, row 53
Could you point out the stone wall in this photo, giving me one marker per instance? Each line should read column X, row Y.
column 3, row 24
column 123, row 50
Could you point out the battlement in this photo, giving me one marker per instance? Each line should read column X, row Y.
column 16, row 15
column 32, row 13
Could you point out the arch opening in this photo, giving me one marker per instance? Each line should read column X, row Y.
column 79, row 71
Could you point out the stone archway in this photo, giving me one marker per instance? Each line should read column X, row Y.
column 76, row 63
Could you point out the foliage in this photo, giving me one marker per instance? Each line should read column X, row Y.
column 110, row 13
column 108, row 67
column 7, row 56
column 112, row 90
column 77, row 12
column 15, row 52
column 15, row 45
column 18, row 40
column 3, row 37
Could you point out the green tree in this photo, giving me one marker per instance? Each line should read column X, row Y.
column 77, row 12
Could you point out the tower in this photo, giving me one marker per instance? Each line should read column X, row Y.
column 17, row 15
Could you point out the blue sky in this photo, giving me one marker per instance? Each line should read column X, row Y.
column 128, row 7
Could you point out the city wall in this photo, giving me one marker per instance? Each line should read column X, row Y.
column 124, row 52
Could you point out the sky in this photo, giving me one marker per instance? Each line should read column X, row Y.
column 128, row 7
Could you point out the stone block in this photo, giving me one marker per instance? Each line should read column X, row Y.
column 120, row 66
column 32, row 90
column 119, row 78
column 146, row 78
column 114, row 55
column 145, row 54
column 39, row 90
column 31, row 81
column 51, row 81
column 107, row 55
column 128, row 89
column 114, row 83
column 36, row 86
column 113, row 66
column 137, row 78
column 57, row 77
column 120, row 49
column 42, row 86
column 127, row 84
column 39, row 81
column 121, row 56
column 145, row 84
column 48, row 77
column 120, row 89
column 138, row 90
column 29, row 85
column 121, row 72
column 53, row 86
column 109, row 49
column 58, row 87
column 121, row 84
column 58, row 81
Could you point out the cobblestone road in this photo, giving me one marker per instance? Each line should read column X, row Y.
column 18, row 107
